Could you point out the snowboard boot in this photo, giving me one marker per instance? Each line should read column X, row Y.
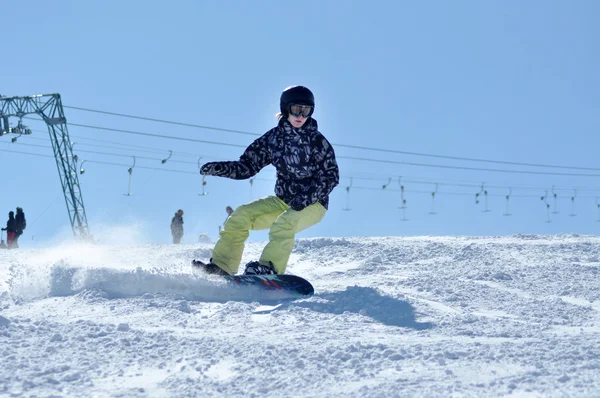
column 256, row 268
column 210, row 268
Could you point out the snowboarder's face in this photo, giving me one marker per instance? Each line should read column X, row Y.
column 297, row 121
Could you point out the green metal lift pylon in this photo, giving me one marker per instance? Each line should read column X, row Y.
column 49, row 107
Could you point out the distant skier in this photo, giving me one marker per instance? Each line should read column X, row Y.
column 11, row 228
column 307, row 172
column 177, row 226
column 20, row 225
column 228, row 210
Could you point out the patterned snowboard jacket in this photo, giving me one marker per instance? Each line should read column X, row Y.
column 304, row 160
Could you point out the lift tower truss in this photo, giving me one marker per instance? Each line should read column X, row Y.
column 49, row 107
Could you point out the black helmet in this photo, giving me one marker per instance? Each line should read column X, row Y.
column 295, row 95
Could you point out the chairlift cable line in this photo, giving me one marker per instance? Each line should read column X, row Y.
column 158, row 135
column 162, row 121
column 111, row 154
column 369, row 177
column 119, row 146
column 378, row 160
column 360, row 147
column 350, row 157
column 185, row 162
column 270, row 180
column 470, row 168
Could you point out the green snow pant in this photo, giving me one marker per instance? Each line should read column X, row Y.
column 269, row 212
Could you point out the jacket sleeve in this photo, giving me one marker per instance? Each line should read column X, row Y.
column 253, row 160
column 328, row 174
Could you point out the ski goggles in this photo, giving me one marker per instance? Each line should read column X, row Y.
column 298, row 110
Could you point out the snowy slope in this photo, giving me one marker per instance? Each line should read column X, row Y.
column 391, row 317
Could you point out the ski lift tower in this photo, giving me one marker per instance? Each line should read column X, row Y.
column 49, row 108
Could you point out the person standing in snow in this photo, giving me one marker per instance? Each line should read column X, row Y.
column 20, row 225
column 307, row 172
column 177, row 226
column 11, row 228
column 228, row 210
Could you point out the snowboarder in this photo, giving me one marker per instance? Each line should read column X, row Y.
column 307, row 172
column 177, row 226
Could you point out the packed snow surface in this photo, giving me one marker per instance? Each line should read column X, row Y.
column 391, row 317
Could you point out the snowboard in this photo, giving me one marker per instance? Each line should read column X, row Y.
column 290, row 284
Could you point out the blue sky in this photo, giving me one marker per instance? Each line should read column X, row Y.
column 509, row 81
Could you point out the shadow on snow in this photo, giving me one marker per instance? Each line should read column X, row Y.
column 367, row 301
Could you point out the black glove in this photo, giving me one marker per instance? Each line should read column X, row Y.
column 297, row 204
column 212, row 169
